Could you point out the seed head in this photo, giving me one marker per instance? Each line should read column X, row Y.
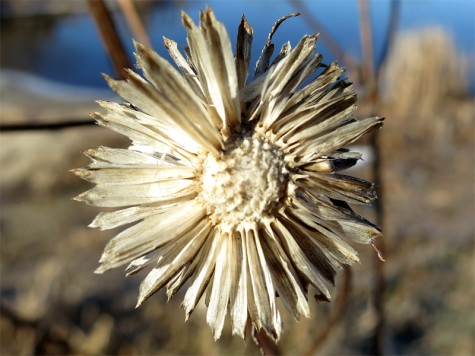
column 232, row 182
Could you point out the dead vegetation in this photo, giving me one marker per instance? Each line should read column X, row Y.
column 52, row 303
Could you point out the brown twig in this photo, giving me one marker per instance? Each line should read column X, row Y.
column 333, row 45
column 135, row 24
column 45, row 126
column 366, row 35
column 337, row 312
column 379, row 285
column 391, row 32
column 110, row 37
column 266, row 345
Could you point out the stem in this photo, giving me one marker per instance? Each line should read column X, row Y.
column 390, row 34
column 379, row 285
column 266, row 345
column 135, row 24
column 110, row 37
column 45, row 126
column 367, row 48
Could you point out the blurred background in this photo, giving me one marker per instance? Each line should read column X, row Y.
column 415, row 67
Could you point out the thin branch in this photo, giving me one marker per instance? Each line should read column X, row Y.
column 366, row 37
column 266, row 345
column 391, row 32
column 135, row 24
column 45, row 126
column 337, row 313
column 333, row 45
column 110, row 36
column 379, row 285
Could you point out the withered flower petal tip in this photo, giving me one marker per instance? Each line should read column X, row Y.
column 231, row 183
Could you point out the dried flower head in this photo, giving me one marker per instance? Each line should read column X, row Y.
column 232, row 184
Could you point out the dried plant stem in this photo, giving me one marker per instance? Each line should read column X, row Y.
column 367, row 48
column 394, row 16
column 266, row 345
column 337, row 312
column 110, row 36
column 379, row 285
column 135, row 24
column 45, row 126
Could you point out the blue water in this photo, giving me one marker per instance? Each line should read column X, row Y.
column 73, row 52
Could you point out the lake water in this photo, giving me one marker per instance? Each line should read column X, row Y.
column 68, row 49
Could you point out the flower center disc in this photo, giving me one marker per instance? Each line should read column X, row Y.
column 245, row 184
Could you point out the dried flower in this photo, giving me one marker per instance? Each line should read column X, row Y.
column 232, row 184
